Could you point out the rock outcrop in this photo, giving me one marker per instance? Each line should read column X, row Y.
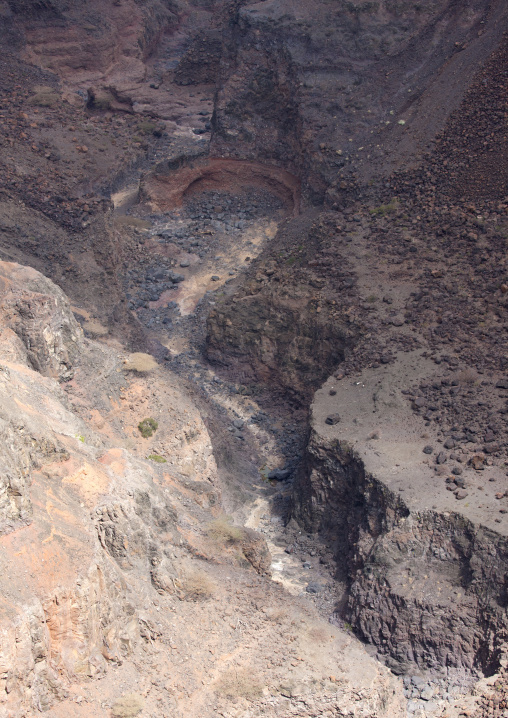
column 328, row 95
column 285, row 325
column 425, row 574
column 82, row 523
column 112, row 565
column 38, row 312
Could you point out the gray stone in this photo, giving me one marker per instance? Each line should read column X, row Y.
column 431, row 707
column 414, row 706
column 427, row 693
column 418, row 681
column 279, row 474
column 313, row 587
column 175, row 277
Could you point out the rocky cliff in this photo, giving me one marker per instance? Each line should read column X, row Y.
column 343, row 95
column 81, row 520
column 425, row 588
column 287, row 326
column 320, row 190
column 116, row 560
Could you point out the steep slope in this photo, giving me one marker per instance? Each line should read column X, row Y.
column 324, row 188
column 122, row 568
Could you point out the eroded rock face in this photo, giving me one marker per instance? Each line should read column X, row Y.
column 38, row 330
column 200, row 63
column 39, row 314
column 106, row 558
column 121, row 34
column 285, row 326
column 309, row 87
column 425, row 588
column 81, row 525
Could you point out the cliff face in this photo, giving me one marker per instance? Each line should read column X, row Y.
column 348, row 93
column 425, row 588
column 110, row 562
column 287, row 325
column 81, row 523
column 117, row 566
column 59, row 40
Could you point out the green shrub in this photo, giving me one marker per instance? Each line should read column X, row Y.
column 158, row 459
column 146, row 127
column 148, row 427
column 385, row 209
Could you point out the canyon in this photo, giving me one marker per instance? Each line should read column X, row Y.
column 253, row 360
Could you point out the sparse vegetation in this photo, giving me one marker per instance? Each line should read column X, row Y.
column 128, row 706
column 146, row 127
column 467, row 376
column 277, row 614
column 100, row 100
column 239, row 684
column 385, row 209
column 197, row 586
column 157, row 458
column 224, row 531
column 45, row 97
column 95, row 329
column 140, row 362
column 148, row 427
column 319, row 634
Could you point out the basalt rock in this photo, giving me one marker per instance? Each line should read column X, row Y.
column 285, row 326
column 326, row 94
column 425, row 588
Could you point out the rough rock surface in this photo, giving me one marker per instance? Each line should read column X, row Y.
column 108, row 566
column 149, row 151
column 424, row 587
column 285, row 326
